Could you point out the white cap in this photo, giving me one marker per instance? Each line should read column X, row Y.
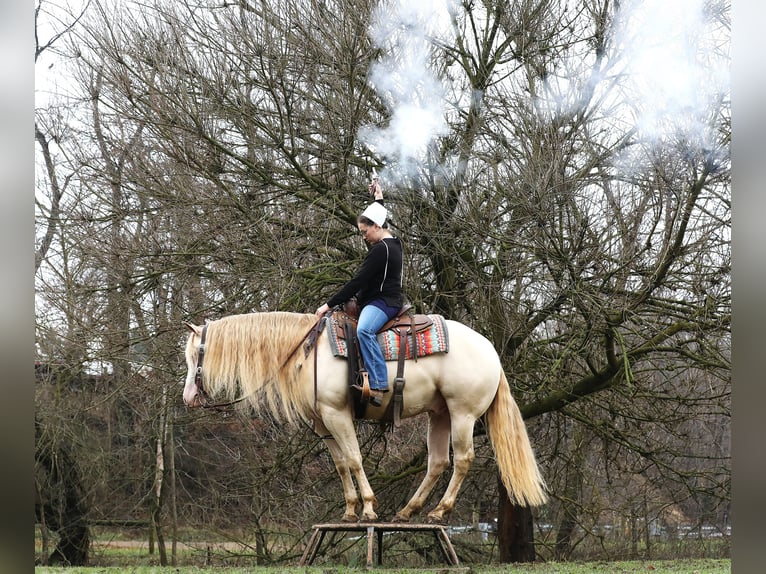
column 376, row 213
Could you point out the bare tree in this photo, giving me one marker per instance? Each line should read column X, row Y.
column 219, row 169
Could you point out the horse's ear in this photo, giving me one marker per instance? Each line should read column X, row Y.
column 193, row 328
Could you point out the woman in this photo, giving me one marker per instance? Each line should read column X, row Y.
column 377, row 286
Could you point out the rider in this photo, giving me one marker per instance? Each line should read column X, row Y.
column 377, row 286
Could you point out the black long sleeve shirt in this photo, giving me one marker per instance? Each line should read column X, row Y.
column 380, row 276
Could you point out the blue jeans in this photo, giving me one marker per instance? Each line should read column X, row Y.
column 371, row 319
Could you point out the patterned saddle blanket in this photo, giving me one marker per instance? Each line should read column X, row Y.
column 427, row 335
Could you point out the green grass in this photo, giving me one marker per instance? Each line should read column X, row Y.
column 114, row 551
column 704, row 566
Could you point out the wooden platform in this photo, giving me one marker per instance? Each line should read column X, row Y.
column 373, row 528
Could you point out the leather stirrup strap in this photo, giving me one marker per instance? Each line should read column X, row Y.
column 398, row 398
column 403, row 336
column 365, row 386
column 397, row 402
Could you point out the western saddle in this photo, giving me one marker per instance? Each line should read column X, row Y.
column 406, row 324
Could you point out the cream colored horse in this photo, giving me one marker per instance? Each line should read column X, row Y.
column 252, row 356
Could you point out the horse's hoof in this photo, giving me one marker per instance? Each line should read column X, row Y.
column 400, row 518
column 436, row 519
column 369, row 517
column 349, row 518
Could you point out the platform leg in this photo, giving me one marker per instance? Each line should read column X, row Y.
column 370, row 543
column 315, row 541
column 446, row 546
column 380, row 547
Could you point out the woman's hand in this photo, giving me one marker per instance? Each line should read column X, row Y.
column 376, row 190
column 322, row 310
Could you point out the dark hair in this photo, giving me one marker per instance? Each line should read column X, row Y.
column 369, row 222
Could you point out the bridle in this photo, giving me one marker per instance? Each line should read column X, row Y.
column 204, row 398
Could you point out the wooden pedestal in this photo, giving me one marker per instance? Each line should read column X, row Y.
column 373, row 528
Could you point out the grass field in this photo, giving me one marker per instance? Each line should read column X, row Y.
column 115, row 552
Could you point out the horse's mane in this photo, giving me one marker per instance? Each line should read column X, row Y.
column 245, row 355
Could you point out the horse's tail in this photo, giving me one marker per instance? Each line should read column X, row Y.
column 515, row 458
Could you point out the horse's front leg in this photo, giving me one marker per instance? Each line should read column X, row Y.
column 349, row 491
column 341, row 426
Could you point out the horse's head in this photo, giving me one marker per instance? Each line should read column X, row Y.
column 193, row 367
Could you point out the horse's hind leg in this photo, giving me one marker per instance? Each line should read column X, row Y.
column 463, row 455
column 438, row 461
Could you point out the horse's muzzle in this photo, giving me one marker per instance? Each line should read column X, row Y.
column 193, row 402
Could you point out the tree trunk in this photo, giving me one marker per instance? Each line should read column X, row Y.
column 61, row 505
column 633, row 534
column 159, row 473
column 570, row 501
column 515, row 535
column 173, row 500
column 564, row 534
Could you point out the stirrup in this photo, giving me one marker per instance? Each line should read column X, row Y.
column 364, row 388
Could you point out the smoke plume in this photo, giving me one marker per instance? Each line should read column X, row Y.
column 675, row 58
column 404, row 31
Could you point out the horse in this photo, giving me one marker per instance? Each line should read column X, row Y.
column 252, row 358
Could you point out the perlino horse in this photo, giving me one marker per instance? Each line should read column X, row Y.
column 252, row 355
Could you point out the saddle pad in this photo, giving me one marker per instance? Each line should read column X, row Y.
column 435, row 339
